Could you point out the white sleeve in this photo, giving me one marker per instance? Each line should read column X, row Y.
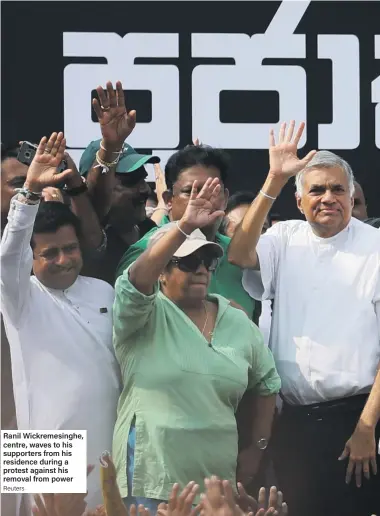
column 261, row 284
column 16, row 259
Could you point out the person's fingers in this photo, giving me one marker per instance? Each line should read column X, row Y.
column 262, row 498
column 189, row 500
column 299, row 133
column 204, row 190
column 172, row 502
column 366, row 471
column 184, row 494
column 229, row 494
column 272, row 502
column 103, row 99
column 350, row 469
column 308, row 157
column 42, row 146
column 132, row 118
column 280, row 498
column 272, row 140
column 59, row 148
column 194, row 191
column 281, row 134
column 216, row 214
column 62, row 177
column 195, row 510
column 111, row 95
column 133, row 510
column 358, row 473
column 57, row 144
column 120, row 98
column 345, row 452
column 284, row 509
column 98, row 110
column 289, row 134
column 50, row 143
column 374, row 465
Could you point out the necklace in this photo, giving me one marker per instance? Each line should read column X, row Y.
column 210, row 333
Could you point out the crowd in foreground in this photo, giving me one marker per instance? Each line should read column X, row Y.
column 144, row 331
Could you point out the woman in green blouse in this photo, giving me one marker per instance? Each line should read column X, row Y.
column 186, row 358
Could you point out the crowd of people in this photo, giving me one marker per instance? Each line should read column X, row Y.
column 192, row 332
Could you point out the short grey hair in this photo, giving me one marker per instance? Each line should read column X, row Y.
column 326, row 159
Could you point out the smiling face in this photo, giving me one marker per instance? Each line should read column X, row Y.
column 326, row 201
column 57, row 258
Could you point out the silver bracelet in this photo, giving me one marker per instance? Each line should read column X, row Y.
column 268, row 196
column 181, row 230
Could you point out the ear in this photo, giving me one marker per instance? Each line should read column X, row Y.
column 353, row 202
column 226, row 197
column 299, row 202
column 168, row 196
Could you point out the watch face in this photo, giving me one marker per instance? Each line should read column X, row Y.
column 262, row 444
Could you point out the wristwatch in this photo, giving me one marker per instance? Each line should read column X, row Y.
column 72, row 192
column 262, row 444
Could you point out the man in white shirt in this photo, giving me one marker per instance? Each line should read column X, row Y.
column 324, row 277
column 58, row 323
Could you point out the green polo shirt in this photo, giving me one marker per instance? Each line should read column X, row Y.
column 226, row 280
column 182, row 393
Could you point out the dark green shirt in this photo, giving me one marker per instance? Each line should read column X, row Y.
column 226, row 280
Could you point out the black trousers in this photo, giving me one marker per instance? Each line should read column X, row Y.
column 305, row 447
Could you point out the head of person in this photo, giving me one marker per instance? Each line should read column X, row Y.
column 237, row 206
column 359, row 211
column 13, row 175
column 195, row 162
column 57, row 257
column 325, row 193
column 130, row 189
column 186, row 278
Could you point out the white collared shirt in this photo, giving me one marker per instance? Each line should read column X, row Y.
column 325, row 334
column 65, row 374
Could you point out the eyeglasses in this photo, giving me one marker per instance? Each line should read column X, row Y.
column 192, row 263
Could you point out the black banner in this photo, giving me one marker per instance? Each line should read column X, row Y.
column 221, row 71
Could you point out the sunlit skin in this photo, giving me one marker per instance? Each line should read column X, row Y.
column 57, row 258
column 178, row 202
column 326, row 201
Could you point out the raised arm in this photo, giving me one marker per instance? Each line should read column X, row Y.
column 116, row 124
column 283, row 164
column 200, row 212
column 16, row 253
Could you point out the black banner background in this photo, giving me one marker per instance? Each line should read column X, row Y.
column 33, row 64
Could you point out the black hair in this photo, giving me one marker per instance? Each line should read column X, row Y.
column 194, row 155
column 51, row 216
column 9, row 150
column 373, row 221
column 238, row 199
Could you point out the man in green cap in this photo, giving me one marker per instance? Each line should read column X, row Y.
column 116, row 177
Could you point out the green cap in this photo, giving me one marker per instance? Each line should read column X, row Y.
column 129, row 161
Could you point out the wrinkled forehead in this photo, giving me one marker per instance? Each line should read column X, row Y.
column 325, row 176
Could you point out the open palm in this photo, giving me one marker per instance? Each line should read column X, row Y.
column 200, row 211
column 43, row 169
column 283, row 155
column 116, row 123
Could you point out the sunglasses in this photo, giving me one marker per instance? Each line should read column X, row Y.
column 192, row 263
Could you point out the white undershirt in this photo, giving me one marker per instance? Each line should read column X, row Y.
column 65, row 374
column 325, row 334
